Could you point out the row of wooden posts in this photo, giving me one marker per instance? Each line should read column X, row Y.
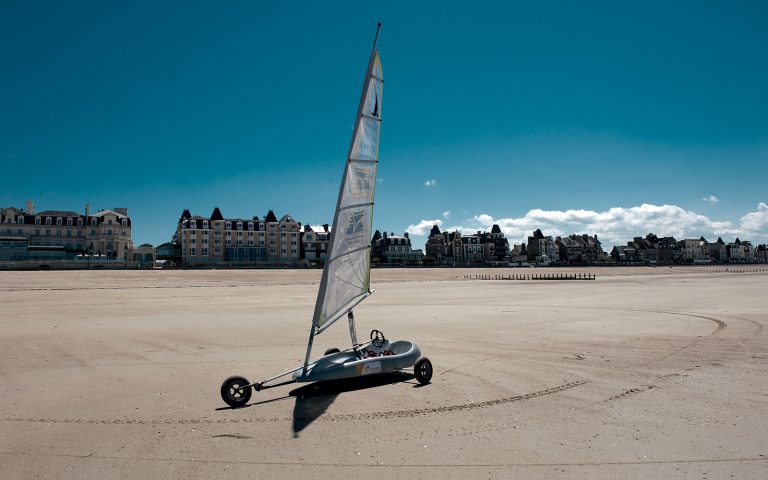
column 534, row 276
column 732, row 270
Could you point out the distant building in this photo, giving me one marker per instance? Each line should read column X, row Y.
column 518, row 254
column 65, row 235
column 694, row 250
column 580, row 249
column 542, row 249
column 144, row 256
column 391, row 248
column 449, row 248
column 444, row 247
column 761, row 254
column 314, row 243
column 216, row 240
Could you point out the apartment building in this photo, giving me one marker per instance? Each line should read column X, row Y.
column 65, row 235
column 216, row 240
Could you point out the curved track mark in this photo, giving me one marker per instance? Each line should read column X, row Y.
column 327, row 418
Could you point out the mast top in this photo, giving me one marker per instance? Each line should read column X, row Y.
column 376, row 38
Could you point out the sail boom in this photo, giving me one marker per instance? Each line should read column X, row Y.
column 360, row 160
column 342, row 311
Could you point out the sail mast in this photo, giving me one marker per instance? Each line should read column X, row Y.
column 321, row 293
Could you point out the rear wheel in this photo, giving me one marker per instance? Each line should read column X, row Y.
column 331, row 350
column 423, row 370
column 233, row 393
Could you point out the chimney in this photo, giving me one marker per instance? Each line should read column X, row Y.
column 325, row 227
column 385, row 234
column 88, row 209
column 30, row 207
column 405, row 234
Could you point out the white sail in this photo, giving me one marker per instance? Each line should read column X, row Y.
column 346, row 275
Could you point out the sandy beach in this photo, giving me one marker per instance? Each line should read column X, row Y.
column 643, row 372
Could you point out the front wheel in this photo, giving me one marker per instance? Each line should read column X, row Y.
column 423, row 370
column 233, row 393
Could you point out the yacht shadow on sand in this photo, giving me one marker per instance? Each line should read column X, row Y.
column 314, row 399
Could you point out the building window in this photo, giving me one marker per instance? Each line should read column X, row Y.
column 192, row 251
column 79, row 222
column 205, row 251
column 37, row 220
column 239, row 225
column 20, row 220
column 250, row 226
column 205, row 223
column 48, row 220
column 93, row 222
column 125, row 222
column 229, row 226
column 69, row 222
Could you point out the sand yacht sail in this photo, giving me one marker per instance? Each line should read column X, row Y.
column 347, row 271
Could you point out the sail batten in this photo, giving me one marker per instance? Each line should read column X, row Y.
column 346, row 273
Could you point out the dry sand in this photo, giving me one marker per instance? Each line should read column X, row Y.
column 645, row 372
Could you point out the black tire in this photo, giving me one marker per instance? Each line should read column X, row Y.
column 331, row 350
column 232, row 394
column 423, row 370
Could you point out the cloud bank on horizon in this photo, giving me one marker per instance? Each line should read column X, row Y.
column 614, row 226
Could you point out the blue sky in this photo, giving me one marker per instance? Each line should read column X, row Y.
column 521, row 114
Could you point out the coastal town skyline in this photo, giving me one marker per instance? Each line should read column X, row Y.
column 604, row 119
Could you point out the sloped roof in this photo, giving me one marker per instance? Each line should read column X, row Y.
column 270, row 217
column 495, row 229
column 216, row 214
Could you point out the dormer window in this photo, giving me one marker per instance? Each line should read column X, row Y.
column 93, row 222
column 79, row 222
column 48, row 221
column 239, row 225
column 58, row 221
column 205, row 223
column 37, row 220
column 20, row 219
column 229, row 225
column 125, row 222
column 250, row 226
column 69, row 222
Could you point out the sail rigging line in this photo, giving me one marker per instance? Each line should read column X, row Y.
column 360, row 160
column 354, row 250
column 371, row 117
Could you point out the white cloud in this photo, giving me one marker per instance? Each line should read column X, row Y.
column 423, row 227
column 430, row 183
column 711, row 199
column 617, row 225
column 755, row 224
column 447, row 214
